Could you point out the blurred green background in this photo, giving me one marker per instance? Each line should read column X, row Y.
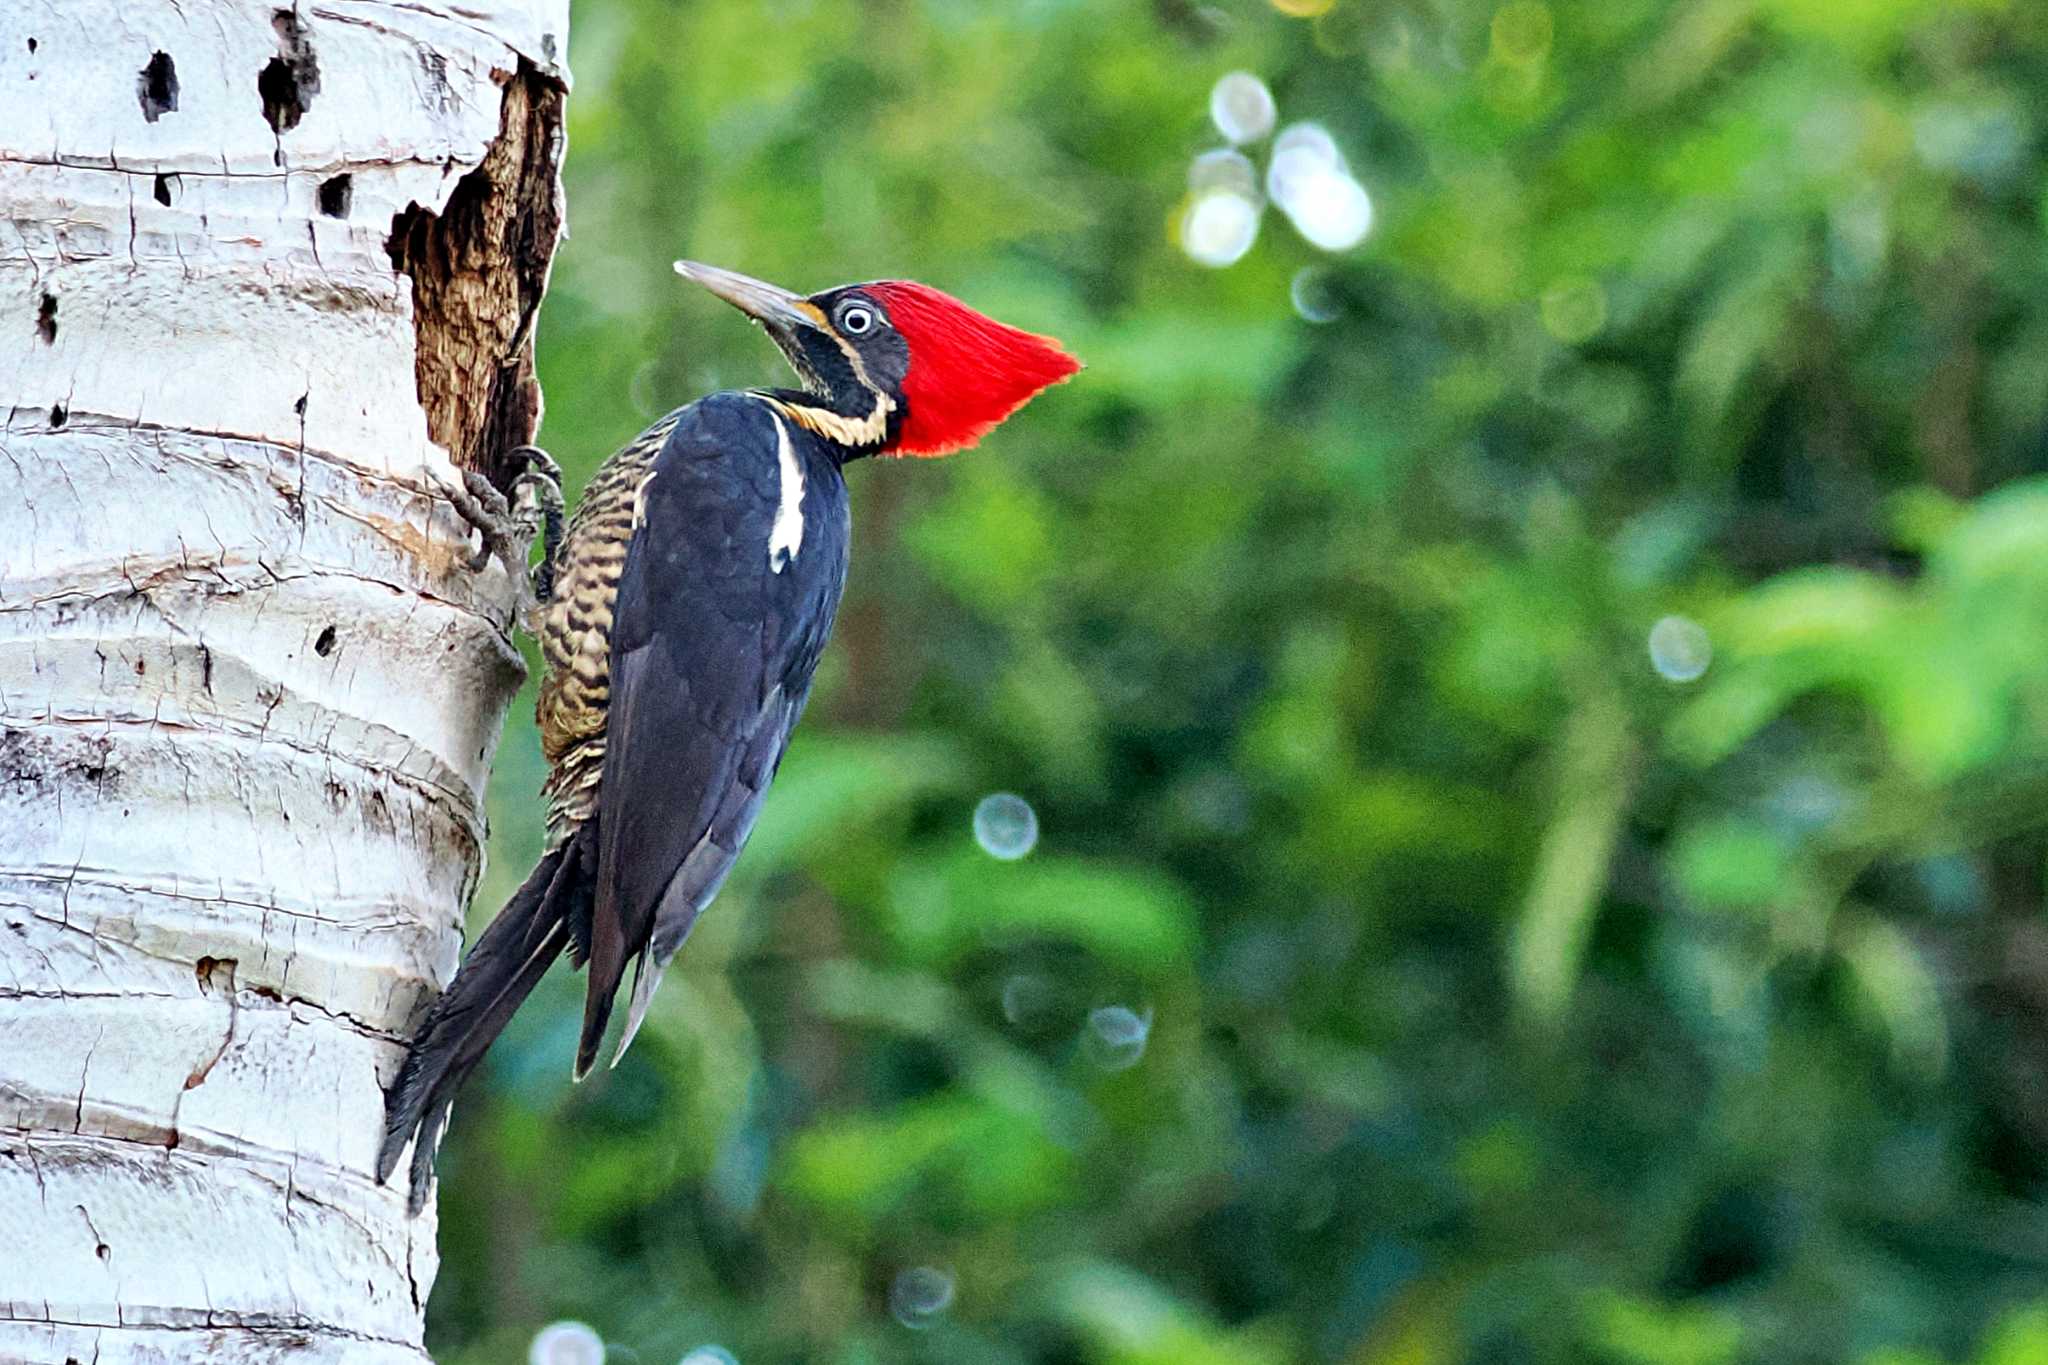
column 1538, row 722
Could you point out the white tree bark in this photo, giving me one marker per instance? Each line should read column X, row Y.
column 248, row 688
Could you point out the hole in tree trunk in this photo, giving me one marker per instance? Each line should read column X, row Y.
column 324, row 646
column 477, row 267
column 46, row 320
column 336, row 194
column 157, row 87
column 290, row 80
column 162, row 191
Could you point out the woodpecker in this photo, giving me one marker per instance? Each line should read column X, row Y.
column 685, row 608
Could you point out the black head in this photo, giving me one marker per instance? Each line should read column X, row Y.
column 855, row 355
column 846, row 352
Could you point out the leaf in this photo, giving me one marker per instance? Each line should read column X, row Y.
column 2021, row 1339
column 857, row 1163
column 1730, row 863
column 1645, row 1333
column 1839, row 610
column 998, row 1162
column 830, row 783
column 1942, row 715
column 1899, row 993
column 1593, row 784
column 941, row 908
column 2003, row 538
column 1134, row 1321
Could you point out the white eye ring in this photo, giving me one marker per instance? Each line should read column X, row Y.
column 856, row 319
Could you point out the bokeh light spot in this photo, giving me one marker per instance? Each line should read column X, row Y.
column 1301, row 149
column 1005, row 826
column 1680, row 649
column 643, row 390
column 1219, row 227
column 566, row 1343
column 1308, row 179
column 1313, row 299
column 1332, row 211
column 1304, row 9
column 1116, row 1036
column 1391, row 45
column 1984, row 141
column 1242, row 107
column 1224, row 169
column 709, row 1355
column 1859, row 236
column 919, row 1295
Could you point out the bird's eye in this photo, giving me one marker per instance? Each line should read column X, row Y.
column 856, row 319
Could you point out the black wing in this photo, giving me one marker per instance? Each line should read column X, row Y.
column 712, row 653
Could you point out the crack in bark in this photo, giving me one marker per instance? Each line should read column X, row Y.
column 289, row 1330
column 100, row 1247
column 276, row 1166
column 276, row 998
column 209, row 971
column 118, row 582
column 84, row 1078
column 137, row 888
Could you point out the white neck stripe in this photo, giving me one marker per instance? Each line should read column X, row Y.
column 787, row 535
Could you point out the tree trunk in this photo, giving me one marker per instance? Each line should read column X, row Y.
column 262, row 271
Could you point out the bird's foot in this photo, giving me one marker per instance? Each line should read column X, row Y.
column 538, row 492
column 509, row 526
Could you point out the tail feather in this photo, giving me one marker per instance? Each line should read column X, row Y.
column 597, row 1013
column 607, row 967
column 646, row 976
column 503, row 967
column 440, row 1099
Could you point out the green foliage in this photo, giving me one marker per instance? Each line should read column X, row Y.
column 1516, row 991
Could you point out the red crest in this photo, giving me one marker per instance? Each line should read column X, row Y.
column 967, row 371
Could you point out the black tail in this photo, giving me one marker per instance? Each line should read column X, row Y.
column 507, row 961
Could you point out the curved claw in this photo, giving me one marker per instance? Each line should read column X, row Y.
column 539, row 464
column 539, row 485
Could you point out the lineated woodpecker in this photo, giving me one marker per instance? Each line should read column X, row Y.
column 685, row 610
